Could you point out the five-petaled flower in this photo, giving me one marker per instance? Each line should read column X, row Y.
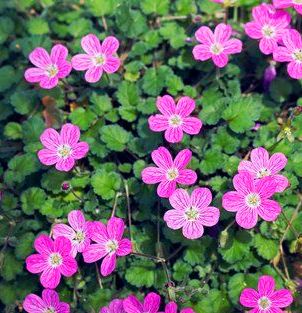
column 99, row 57
column 150, row 304
column 175, row 119
column 109, row 244
column 169, row 172
column 171, row 307
column 262, row 165
column 266, row 299
column 268, row 25
column 49, row 303
column 49, row 68
column 78, row 233
column 283, row 4
column 191, row 213
column 251, row 199
column 53, row 260
column 291, row 52
column 62, row 149
column 216, row 46
column 115, row 306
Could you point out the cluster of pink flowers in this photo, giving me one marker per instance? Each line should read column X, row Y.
column 99, row 58
column 257, row 181
column 271, row 26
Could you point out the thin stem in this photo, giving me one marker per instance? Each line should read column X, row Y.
column 80, row 199
column 99, row 279
column 118, row 194
column 172, row 255
column 173, row 18
column 104, row 23
column 149, row 256
column 289, row 223
column 128, row 208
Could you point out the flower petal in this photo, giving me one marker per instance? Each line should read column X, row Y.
column 244, row 183
column 151, row 303
column 70, row 134
column 40, row 58
column 269, row 210
column 191, row 125
column 50, row 297
column 132, row 305
column 115, row 228
column 204, row 35
column 282, row 298
column 124, row 247
column 292, row 39
column 108, row 264
column 166, row 105
column 253, row 30
column 65, row 165
column 94, row 252
column 36, row 263
column 246, row 217
column 247, row 166
column 94, row 74
column 158, row 122
column 152, row 175
column 220, row 60
column 209, row 216
column 180, row 199
column 282, row 54
column 175, row 219
column 233, row 46
column 186, row 177
column 202, row 52
column 69, row 266
column 193, row 230
column 49, row 82
column 64, row 69
column 110, row 45
column 174, row 134
column 233, row 201
column 171, row 307
column 249, row 297
column 166, row 188
column 266, row 286
column 201, row 197
column 62, row 245
column 76, row 219
column 34, row 74
column 294, row 70
column 50, row 278
column 222, row 33
column 111, row 64
column 58, row 54
column 81, row 62
column 98, row 232
column 34, row 304
column 182, row 159
column 80, row 150
column 281, row 182
column 44, row 245
column 50, row 139
column 266, row 187
column 277, row 162
column 91, row 44
column 268, row 45
column 162, row 158
column 185, row 106
column 48, row 157
column 63, row 230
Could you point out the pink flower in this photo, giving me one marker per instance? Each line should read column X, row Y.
column 171, row 307
column 268, row 25
column 99, row 57
column 50, row 302
column 262, row 165
column 283, row 4
column 150, row 304
column 266, row 299
column 251, row 199
column 169, row 172
column 175, row 119
column 115, row 306
column 49, row 68
column 191, row 213
column 109, row 244
column 292, row 53
column 62, row 149
column 53, row 260
column 78, row 233
column 217, row 45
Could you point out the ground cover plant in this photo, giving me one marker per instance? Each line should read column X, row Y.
column 150, row 156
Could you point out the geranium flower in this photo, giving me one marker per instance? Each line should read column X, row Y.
column 283, row 4
column 216, row 46
column 53, row 260
column 150, row 304
column 78, row 233
column 262, row 165
column 191, row 213
column 62, row 149
column 251, row 199
column 115, row 306
column 49, row 303
column 109, row 244
column 268, row 25
column 49, row 68
column 175, row 119
column 169, row 173
column 266, row 299
column 292, row 53
column 171, row 307
column 99, row 57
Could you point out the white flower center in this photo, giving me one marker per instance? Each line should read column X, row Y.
column 216, row 48
column 79, row 237
column 55, row 260
column 264, row 303
column 297, row 55
column 172, row 173
column 98, row 60
column 64, row 151
column 297, row 2
column 52, row 70
column 268, row 31
column 252, row 200
column 50, row 310
column 192, row 214
column 111, row 246
column 263, row 173
column 175, row 121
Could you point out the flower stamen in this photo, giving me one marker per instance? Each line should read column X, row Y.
column 55, row 260
column 253, row 200
column 172, row 174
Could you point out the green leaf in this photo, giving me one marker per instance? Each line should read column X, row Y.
column 24, row 247
column 266, row 248
column 37, row 26
column 13, row 130
column 32, row 199
column 83, row 118
column 155, row 79
column 102, row 103
column 174, row 33
column 142, row 275
column 80, row 27
column 101, row 7
column 115, row 137
column 216, row 301
column 212, row 160
column 6, row 28
column 106, row 184
column 23, row 102
column 7, row 77
column 128, row 94
column 10, row 267
column 226, row 141
column 159, row 7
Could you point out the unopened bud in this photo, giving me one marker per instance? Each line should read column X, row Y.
column 65, row 186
